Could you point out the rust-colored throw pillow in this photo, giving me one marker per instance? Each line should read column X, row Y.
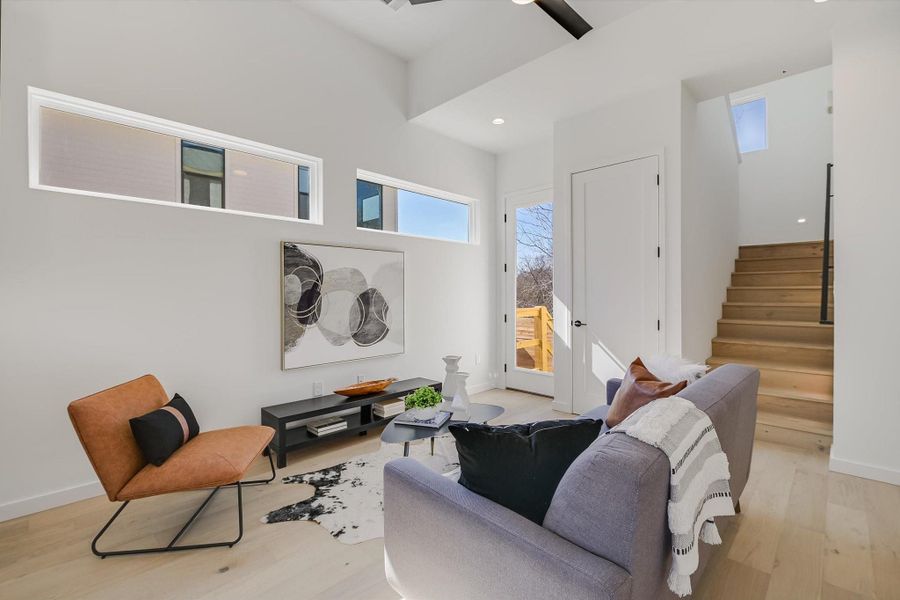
column 639, row 387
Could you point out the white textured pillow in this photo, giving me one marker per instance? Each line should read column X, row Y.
column 673, row 369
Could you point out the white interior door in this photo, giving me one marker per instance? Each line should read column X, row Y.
column 615, row 273
column 528, row 279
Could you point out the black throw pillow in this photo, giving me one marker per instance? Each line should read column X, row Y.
column 161, row 432
column 519, row 466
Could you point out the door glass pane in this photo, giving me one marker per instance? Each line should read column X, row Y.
column 534, row 287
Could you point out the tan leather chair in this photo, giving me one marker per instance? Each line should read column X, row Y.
column 213, row 459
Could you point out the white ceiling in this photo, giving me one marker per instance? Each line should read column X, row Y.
column 412, row 31
column 714, row 46
column 408, row 32
column 473, row 60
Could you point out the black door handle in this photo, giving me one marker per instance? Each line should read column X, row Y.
column 579, row 324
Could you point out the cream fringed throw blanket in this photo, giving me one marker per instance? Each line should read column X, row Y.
column 698, row 485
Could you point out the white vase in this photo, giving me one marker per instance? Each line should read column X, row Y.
column 423, row 414
column 449, row 388
column 461, row 396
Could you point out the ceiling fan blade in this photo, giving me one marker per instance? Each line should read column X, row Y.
column 565, row 15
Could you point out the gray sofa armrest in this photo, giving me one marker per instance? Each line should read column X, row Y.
column 444, row 541
column 612, row 386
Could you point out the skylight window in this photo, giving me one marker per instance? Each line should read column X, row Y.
column 750, row 124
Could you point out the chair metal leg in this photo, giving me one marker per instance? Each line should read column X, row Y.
column 171, row 547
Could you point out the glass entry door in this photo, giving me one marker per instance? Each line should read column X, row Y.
column 529, row 292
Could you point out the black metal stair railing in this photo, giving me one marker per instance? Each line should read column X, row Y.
column 826, row 254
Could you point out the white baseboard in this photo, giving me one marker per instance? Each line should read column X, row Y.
column 864, row 470
column 481, row 387
column 34, row 504
column 562, row 407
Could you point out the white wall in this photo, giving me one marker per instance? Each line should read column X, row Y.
column 525, row 168
column 787, row 181
column 709, row 219
column 866, row 214
column 98, row 291
column 643, row 125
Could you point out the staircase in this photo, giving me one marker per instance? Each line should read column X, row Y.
column 771, row 320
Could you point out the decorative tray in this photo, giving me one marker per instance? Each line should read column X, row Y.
column 366, row 387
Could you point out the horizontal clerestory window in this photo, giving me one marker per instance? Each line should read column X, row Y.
column 82, row 147
column 395, row 206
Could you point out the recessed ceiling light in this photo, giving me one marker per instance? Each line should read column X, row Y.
column 802, row 219
column 240, row 172
column 499, row 121
column 530, row 1
column 820, row 1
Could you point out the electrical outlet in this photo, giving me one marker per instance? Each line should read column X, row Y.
column 318, row 388
column 360, row 378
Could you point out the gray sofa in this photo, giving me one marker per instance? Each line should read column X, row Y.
column 604, row 536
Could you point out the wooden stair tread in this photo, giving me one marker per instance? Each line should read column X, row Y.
column 769, row 364
column 763, row 322
column 805, row 396
column 785, row 272
column 771, row 258
column 777, row 287
column 777, row 304
column 776, row 343
column 776, row 244
column 795, row 423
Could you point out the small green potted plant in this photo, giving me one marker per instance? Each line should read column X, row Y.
column 422, row 403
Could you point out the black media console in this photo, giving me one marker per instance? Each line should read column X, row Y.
column 279, row 415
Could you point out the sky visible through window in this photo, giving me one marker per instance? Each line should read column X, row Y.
column 534, row 232
column 418, row 214
column 750, row 123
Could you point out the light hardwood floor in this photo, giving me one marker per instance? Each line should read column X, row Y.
column 804, row 533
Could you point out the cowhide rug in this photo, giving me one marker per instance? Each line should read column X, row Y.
column 347, row 499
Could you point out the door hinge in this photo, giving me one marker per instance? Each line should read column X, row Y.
column 504, row 367
column 657, row 252
column 504, row 318
column 657, row 179
column 504, row 217
column 657, row 324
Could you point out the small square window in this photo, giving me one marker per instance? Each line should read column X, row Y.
column 750, row 123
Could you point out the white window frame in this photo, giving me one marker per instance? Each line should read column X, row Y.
column 746, row 100
column 39, row 98
column 472, row 203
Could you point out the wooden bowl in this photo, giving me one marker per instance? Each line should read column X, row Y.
column 366, row 387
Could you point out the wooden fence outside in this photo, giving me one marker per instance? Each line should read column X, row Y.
column 534, row 338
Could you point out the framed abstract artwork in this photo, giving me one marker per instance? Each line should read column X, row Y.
column 339, row 304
